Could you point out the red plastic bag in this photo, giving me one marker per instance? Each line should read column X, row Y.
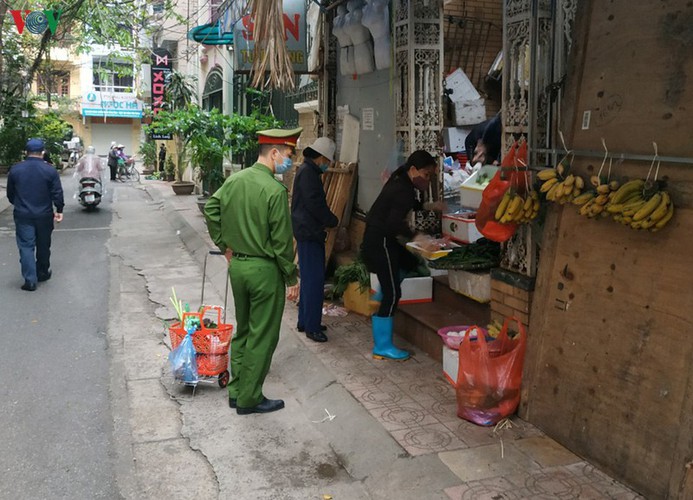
column 511, row 174
column 490, row 375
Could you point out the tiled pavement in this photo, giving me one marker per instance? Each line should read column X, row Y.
column 417, row 406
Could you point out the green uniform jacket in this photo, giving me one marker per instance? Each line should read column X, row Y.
column 250, row 215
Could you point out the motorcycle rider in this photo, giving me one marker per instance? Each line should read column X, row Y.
column 90, row 165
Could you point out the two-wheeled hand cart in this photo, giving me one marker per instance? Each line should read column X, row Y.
column 212, row 338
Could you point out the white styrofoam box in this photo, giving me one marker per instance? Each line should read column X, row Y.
column 473, row 284
column 454, row 137
column 471, row 190
column 461, row 227
column 414, row 290
column 451, row 364
column 460, row 87
column 470, row 112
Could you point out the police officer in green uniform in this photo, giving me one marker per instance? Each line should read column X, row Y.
column 249, row 220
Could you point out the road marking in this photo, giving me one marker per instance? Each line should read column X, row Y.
column 82, row 229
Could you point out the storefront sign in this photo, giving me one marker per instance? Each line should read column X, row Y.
column 111, row 105
column 162, row 64
column 294, row 35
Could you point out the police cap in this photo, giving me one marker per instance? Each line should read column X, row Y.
column 279, row 136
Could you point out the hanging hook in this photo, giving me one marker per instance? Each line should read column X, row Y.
column 654, row 159
column 606, row 155
column 560, row 134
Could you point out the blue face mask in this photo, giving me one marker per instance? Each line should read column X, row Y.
column 323, row 167
column 283, row 167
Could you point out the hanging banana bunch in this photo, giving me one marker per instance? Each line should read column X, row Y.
column 516, row 208
column 558, row 184
column 642, row 206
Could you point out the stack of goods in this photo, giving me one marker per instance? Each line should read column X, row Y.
column 480, row 255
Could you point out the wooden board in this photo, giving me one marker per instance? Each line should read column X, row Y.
column 608, row 372
column 340, row 185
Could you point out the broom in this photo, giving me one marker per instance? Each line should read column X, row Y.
column 271, row 55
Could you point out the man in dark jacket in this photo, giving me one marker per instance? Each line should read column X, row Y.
column 310, row 215
column 483, row 144
column 33, row 187
column 113, row 161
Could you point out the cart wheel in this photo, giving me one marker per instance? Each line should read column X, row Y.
column 223, row 379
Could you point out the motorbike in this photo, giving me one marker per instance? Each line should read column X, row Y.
column 89, row 192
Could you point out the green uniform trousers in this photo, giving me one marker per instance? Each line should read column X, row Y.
column 259, row 296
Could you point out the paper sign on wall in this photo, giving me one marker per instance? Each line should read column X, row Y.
column 367, row 119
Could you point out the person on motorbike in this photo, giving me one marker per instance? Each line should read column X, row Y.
column 90, row 165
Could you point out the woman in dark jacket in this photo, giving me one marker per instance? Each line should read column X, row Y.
column 310, row 215
column 383, row 250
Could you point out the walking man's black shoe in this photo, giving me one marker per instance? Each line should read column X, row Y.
column 266, row 406
column 232, row 403
column 45, row 277
column 28, row 286
column 316, row 336
column 323, row 328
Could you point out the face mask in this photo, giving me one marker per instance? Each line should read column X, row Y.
column 420, row 183
column 284, row 166
column 324, row 167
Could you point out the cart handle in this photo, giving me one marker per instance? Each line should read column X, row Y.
column 200, row 315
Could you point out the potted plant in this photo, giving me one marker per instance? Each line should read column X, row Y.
column 169, row 169
column 353, row 282
column 148, row 153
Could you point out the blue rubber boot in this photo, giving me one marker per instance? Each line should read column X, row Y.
column 382, row 340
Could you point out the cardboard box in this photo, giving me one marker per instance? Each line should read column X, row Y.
column 461, row 227
column 473, row 284
column 451, row 364
column 470, row 112
column 454, row 137
column 460, row 88
column 414, row 290
column 471, row 190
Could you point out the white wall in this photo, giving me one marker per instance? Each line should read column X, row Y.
column 376, row 147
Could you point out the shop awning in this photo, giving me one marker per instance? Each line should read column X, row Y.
column 210, row 34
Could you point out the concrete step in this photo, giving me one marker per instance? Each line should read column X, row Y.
column 419, row 323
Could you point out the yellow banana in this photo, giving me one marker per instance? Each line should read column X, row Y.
column 595, row 180
column 585, row 209
column 548, row 184
column 567, row 189
column 647, row 223
column 614, row 185
column 667, row 217
column 602, row 199
column 603, row 189
column 527, row 205
column 553, row 192
column 579, row 182
column 614, row 209
column 502, row 206
column 661, row 209
column 636, row 224
column 576, row 191
column 560, row 168
column 546, row 174
column 569, row 180
column 583, row 198
column 515, row 204
column 627, row 189
column 648, row 207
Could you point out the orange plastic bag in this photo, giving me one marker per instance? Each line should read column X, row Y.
column 490, row 375
column 512, row 173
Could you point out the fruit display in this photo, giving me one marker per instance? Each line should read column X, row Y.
column 641, row 205
column 515, row 208
column 559, row 185
column 638, row 203
column 593, row 202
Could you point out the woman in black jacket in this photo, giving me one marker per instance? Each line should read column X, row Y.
column 310, row 215
column 383, row 250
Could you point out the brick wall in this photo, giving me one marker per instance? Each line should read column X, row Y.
column 507, row 300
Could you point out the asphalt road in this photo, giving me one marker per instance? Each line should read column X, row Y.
column 55, row 416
